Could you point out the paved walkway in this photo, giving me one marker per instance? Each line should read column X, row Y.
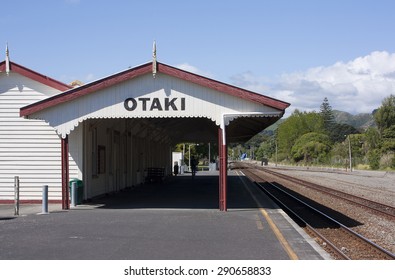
column 175, row 220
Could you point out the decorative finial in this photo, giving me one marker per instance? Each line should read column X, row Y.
column 7, row 60
column 154, row 59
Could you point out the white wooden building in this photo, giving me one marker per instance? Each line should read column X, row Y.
column 29, row 149
column 109, row 132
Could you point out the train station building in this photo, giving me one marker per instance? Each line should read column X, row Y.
column 109, row 132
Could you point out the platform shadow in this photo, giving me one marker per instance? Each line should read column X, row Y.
column 179, row 192
column 340, row 217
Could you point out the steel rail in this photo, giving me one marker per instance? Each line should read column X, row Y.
column 309, row 228
column 376, row 206
column 337, row 251
column 350, row 231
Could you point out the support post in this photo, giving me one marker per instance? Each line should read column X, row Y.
column 222, row 171
column 226, row 117
column 65, row 173
column 224, row 177
column 16, row 193
column 45, row 200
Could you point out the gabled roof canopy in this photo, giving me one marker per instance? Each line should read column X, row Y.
column 147, row 68
column 102, row 99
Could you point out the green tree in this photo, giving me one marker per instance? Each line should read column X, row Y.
column 385, row 115
column 385, row 120
column 340, row 131
column 374, row 159
column 339, row 154
column 294, row 127
column 388, row 139
column 357, row 148
column 311, row 147
column 327, row 115
column 389, row 132
column 266, row 149
column 336, row 131
column 372, row 138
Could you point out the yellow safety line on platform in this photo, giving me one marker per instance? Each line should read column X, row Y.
column 283, row 241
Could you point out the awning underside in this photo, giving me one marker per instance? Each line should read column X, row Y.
column 179, row 130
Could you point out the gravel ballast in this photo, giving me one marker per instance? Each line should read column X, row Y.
column 378, row 186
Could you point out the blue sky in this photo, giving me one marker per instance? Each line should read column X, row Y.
column 296, row 51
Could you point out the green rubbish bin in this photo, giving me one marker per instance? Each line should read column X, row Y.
column 80, row 190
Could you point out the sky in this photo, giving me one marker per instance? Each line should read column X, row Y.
column 296, row 51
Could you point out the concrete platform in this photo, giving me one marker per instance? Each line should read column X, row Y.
column 178, row 219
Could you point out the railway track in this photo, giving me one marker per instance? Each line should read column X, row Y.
column 367, row 203
column 382, row 209
column 336, row 238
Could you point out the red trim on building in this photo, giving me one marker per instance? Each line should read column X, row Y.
column 86, row 89
column 144, row 69
column 222, row 87
column 14, row 67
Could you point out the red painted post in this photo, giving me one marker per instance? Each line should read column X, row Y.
column 65, row 172
column 222, row 172
column 225, row 175
column 220, row 169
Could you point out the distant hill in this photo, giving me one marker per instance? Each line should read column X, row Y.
column 271, row 129
column 363, row 120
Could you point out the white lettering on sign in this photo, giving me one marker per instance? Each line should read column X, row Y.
column 151, row 104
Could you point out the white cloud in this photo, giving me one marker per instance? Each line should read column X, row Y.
column 357, row 86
